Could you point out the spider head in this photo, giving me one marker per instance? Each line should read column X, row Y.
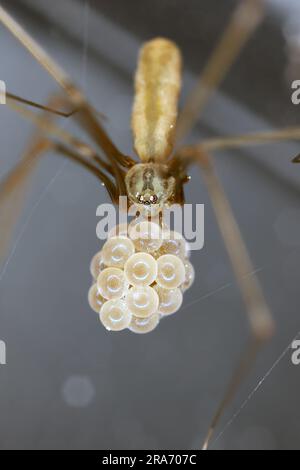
column 150, row 185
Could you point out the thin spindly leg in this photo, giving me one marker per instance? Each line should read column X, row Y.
column 259, row 315
column 260, row 138
column 13, row 190
column 86, row 163
column 86, row 114
column 242, row 25
column 33, row 104
column 15, row 186
column 297, row 159
column 50, row 129
column 64, row 143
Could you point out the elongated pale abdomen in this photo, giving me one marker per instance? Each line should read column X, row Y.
column 157, row 86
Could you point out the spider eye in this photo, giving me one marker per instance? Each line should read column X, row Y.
column 153, row 199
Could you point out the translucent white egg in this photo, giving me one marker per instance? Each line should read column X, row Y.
column 96, row 265
column 116, row 251
column 142, row 301
column 95, row 299
column 146, row 236
column 141, row 269
column 112, row 283
column 189, row 276
column 170, row 300
column 115, row 315
column 144, row 325
column 141, row 273
column 171, row 272
column 174, row 244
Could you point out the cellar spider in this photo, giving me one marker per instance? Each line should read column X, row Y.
column 157, row 133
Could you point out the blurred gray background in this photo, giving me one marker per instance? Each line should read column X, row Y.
column 69, row 384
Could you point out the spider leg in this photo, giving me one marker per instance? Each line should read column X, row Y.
column 259, row 315
column 260, row 138
column 49, row 128
column 86, row 114
column 296, row 159
column 117, row 160
column 77, row 158
column 14, row 187
column 33, row 104
column 245, row 19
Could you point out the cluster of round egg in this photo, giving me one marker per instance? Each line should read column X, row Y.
column 140, row 276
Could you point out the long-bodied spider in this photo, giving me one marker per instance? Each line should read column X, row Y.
column 158, row 177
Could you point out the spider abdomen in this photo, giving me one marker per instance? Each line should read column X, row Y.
column 157, row 86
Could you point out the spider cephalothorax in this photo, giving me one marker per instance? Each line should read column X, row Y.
column 150, row 184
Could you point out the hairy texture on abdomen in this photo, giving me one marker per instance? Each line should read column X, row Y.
column 157, row 86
